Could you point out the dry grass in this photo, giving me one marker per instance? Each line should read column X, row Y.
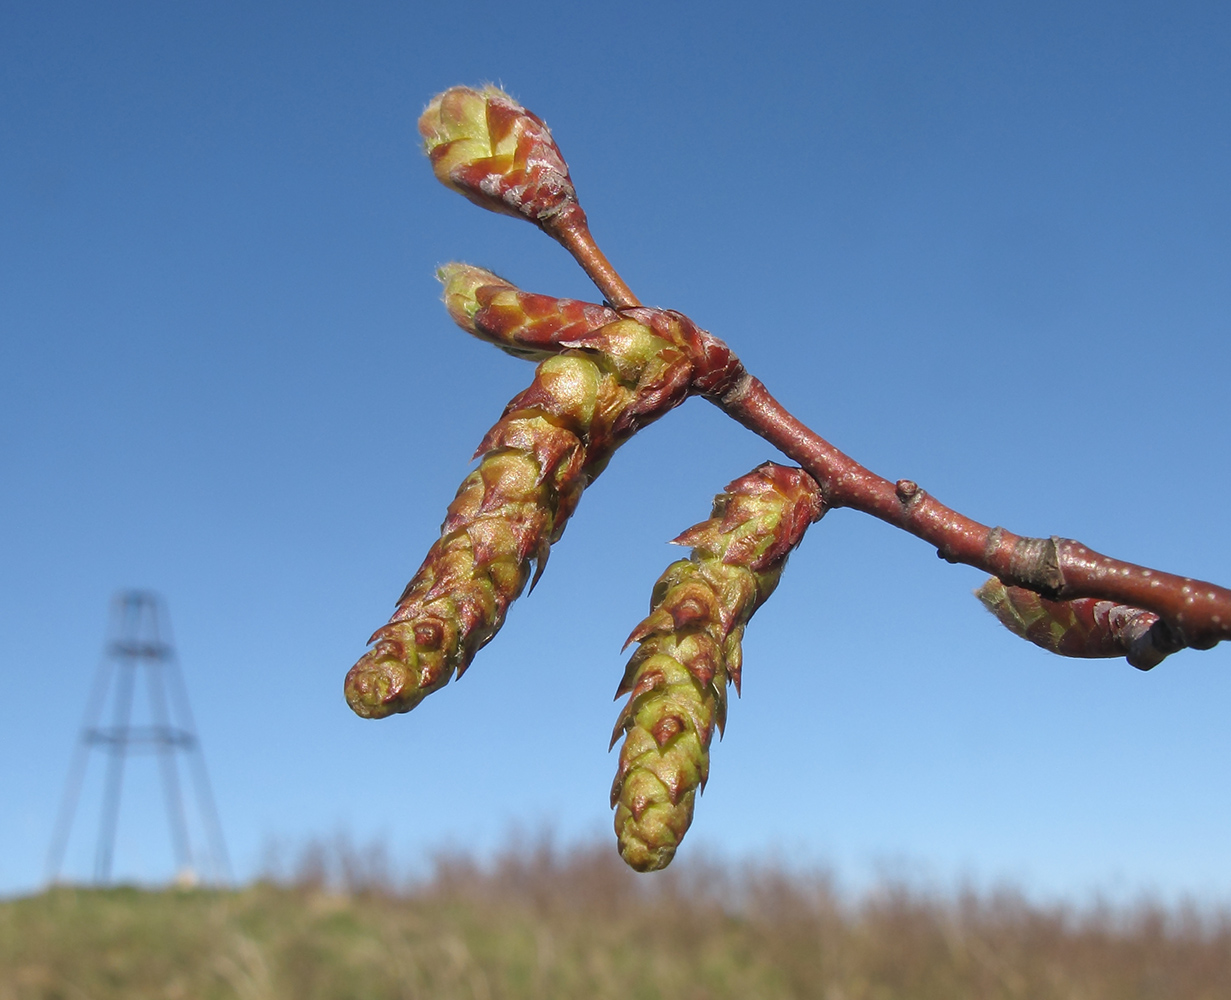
column 546, row 924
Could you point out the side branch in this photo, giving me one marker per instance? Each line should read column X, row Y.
column 572, row 231
column 1198, row 613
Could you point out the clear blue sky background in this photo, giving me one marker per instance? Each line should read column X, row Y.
column 983, row 245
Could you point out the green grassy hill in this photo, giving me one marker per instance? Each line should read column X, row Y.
column 578, row 926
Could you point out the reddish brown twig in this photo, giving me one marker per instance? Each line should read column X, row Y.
column 1058, row 568
column 572, row 231
column 1197, row 613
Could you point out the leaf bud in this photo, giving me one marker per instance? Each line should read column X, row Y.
column 491, row 150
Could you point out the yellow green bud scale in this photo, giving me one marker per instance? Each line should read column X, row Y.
column 552, row 441
column 689, row 650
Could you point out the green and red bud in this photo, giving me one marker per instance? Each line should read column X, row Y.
column 690, row 649
column 1085, row 627
column 663, row 351
column 529, row 325
column 553, row 440
column 490, row 149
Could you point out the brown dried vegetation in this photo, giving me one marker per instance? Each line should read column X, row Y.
column 547, row 924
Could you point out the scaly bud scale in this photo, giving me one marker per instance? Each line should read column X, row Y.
column 554, row 438
column 487, row 147
column 1080, row 628
column 689, row 651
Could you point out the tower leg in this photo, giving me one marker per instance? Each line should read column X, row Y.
column 117, row 747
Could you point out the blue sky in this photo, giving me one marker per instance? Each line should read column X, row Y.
column 986, row 246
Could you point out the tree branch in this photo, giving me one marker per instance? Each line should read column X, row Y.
column 493, row 151
column 571, row 230
column 1196, row 613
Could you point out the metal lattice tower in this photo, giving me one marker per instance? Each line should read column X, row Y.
column 140, row 643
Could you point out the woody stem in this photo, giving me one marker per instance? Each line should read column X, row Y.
column 1197, row 613
column 1058, row 568
column 572, row 231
